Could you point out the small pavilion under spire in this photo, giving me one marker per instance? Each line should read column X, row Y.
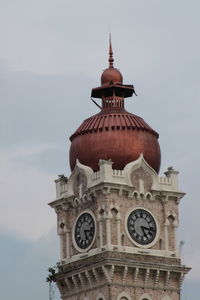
column 112, row 83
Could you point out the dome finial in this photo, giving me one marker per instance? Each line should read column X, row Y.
column 111, row 59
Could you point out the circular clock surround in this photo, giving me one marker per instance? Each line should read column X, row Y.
column 84, row 231
column 142, row 227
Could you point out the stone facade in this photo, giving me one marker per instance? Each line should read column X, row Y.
column 114, row 266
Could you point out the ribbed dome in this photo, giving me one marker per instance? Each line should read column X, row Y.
column 112, row 121
column 119, row 136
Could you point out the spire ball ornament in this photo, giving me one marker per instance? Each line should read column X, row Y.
column 114, row 133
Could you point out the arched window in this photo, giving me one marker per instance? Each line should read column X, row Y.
column 145, row 297
column 124, row 296
column 100, row 296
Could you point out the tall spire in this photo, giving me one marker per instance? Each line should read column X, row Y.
column 111, row 59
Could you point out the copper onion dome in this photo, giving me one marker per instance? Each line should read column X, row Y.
column 114, row 133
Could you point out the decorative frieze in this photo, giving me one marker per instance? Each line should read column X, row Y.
column 142, row 276
column 167, row 277
column 136, row 274
column 88, row 276
column 96, row 275
column 125, row 271
column 106, row 274
column 157, row 277
column 147, row 273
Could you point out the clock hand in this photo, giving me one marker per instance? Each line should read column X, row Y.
column 143, row 230
column 149, row 228
column 85, row 231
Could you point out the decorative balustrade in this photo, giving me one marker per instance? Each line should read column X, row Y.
column 165, row 180
column 119, row 173
column 96, row 175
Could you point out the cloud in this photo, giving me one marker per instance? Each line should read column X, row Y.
column 25, row 265
column 25, row 191
column 190, row 289
column 52, row 54
column 192, row 258
column 57, row 37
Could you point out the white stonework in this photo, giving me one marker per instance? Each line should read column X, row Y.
column 114, row 264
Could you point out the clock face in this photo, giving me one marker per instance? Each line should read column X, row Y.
column 84, row 230
column 141, row 226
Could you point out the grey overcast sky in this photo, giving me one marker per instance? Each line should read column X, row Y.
column 52, row 52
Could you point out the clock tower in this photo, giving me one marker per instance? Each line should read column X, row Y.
column 116, row 217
